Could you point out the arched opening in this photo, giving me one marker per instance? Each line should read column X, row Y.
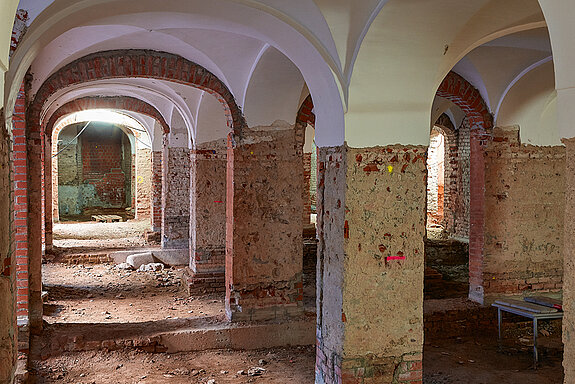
column 96, row 164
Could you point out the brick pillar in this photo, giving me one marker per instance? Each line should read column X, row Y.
column 156, row 193
column 207, row 220
column 8, row 329
column 264, row 245
column 306, row 188
column 371, row 226
column 175, row 197
column 35, row 223
column 143, row 181
column 569, row 264
column 20, row 178
column 478, row 141
column 48, row 185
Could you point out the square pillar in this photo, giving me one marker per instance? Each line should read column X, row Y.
column 207, row 220
column 156, row 193
column 569, row 264
column 175, row 197
column 371, row 227
column 8, row 328
column 264, row 246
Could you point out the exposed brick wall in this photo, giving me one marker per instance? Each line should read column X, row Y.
column 8, row 271
column 307, row 189
column 156, row 198
column 101, row 162
column 456, row 89
column 525, row 204
column 19, row 165
column 143, row 183
column 366, row 283
column 175, row 198
column 137, row 63
column 126, row 103
column 264, row 246
column 460, row 192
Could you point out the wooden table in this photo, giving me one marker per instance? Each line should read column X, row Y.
column 532, row 311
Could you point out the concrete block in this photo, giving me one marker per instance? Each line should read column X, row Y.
column 139, row 259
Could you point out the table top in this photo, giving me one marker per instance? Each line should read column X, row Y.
column 528, row 314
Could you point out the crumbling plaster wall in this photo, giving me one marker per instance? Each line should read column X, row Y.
column 264, row 244
column 208, row 207
column 524, row 210
column 380, row 272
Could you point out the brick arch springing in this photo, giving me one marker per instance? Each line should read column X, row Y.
column 126, row 103
column 460, row 92
column 136, row 63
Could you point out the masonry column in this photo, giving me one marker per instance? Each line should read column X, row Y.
column 207, row 220
column 264, row 225
column 569, row 264
column 8, row 330
column 479, row 139
column 48, row 184
column 175, row 194
column 35, row 221
column 156, row 191
column 371, row 226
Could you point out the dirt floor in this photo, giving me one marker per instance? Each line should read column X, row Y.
column 281, row 366
column 479, row 360
column 86, row 294
column 101, row 293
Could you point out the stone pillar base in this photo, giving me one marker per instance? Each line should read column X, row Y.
column 281, row 300
column 198, row 283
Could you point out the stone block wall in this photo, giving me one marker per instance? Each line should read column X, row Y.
column 376, row 278
column 264, row 245
column 525, row 204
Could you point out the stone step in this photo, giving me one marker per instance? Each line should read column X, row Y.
column 177, row 335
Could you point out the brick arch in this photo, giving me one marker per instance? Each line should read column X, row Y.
column 305, row 114
column 138, row 63
column 101, row 102
column 459, row 91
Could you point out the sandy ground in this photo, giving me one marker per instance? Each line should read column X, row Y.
column 480, row 361
column 105, row 294
column 282, row 366
column 92, row 294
